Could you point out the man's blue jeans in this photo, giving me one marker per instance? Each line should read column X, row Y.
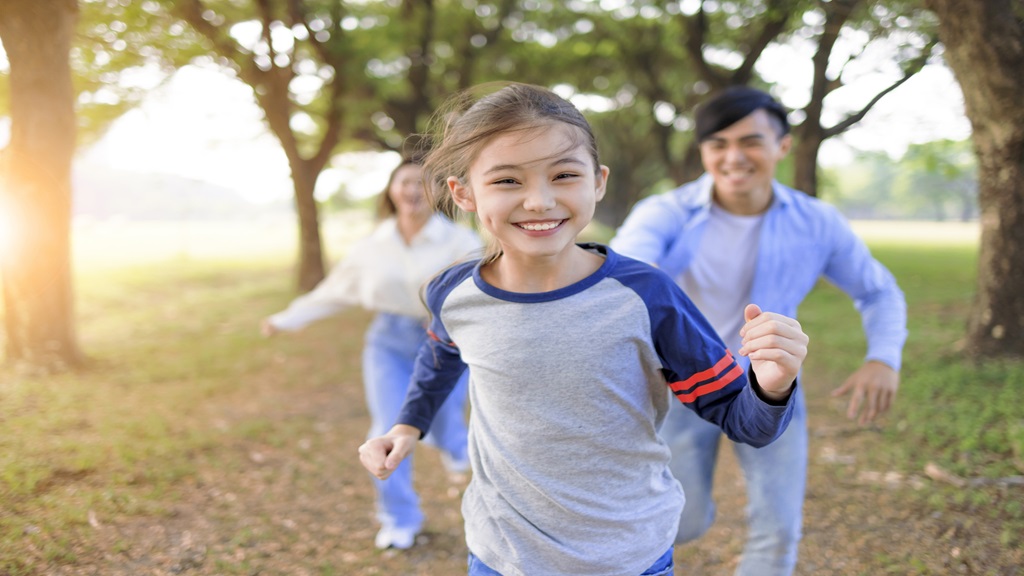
column 392, row 342
column 775, row 478
column 662, row 567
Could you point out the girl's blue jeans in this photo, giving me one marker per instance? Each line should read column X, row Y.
column 662, row 566
column 392, row 342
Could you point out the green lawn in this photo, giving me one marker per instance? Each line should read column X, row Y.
column 965, row 417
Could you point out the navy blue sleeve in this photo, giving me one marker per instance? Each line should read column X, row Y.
column 699, row 369
column 438, row 362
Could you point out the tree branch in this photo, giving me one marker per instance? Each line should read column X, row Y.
column 696, row 29
column 913, row 67
column 778, row 20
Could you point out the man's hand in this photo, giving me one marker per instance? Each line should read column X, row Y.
column 874, row 386
column 381, row 455
column 776, row 346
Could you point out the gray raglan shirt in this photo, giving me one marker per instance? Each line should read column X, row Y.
column 568, row 391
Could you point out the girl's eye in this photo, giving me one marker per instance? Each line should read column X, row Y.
column 505, row 181
column 565, row 175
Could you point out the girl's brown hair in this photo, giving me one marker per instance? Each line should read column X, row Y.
column 469, row 120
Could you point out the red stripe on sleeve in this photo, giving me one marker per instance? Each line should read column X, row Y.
column 718, row 384
column 703, row 375
column 436, row 339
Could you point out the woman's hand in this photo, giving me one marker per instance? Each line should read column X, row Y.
column 267, row 329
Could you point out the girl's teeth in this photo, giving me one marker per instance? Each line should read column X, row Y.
column 540, row 226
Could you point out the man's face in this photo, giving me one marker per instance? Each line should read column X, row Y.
column 742, row 158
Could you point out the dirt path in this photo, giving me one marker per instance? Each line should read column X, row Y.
column 283, row 494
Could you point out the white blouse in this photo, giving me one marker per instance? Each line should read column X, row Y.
column 382, row 273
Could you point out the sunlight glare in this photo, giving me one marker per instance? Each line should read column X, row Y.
column 7, row 231
column 200, row 125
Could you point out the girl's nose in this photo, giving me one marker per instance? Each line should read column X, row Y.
column 539, row 198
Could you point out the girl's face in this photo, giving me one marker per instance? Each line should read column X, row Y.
column 407, row 193
column 533, row 191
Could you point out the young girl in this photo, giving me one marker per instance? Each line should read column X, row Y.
column 571, row 349
column 384, row 273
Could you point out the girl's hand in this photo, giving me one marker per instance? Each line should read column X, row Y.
column 776, row 346
column 381, row 455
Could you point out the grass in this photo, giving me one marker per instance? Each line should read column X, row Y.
column 168, row 337
column 963, row 416
column 116, row 437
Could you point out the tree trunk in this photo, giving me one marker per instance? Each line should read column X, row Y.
column 985, row 49
column 35, row 172
column 273, row 99
column 810, row 134
column 311, row 256
column 808, row 139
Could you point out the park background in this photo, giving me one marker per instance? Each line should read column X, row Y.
column 165, row 436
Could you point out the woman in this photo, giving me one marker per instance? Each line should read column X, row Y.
column 384, row 273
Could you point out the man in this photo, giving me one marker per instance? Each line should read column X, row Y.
column 733, row 236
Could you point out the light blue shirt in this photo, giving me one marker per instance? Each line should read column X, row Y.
column 802, row 239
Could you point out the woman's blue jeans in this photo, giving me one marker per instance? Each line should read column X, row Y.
column 392, row 342
column 662, row 566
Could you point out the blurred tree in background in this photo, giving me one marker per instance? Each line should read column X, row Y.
column 658, row 61
column 898, row 26
column 35, row 186
column 121, row 51
column 932, row 181
column 333, row 76
column 939, row 181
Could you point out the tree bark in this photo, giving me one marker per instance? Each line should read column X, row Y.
column 311, row 255
column 35, row 177
column 809, row 137
column 810, row 133
column 985, row 49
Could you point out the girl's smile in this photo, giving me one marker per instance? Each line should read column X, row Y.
column 541, row 228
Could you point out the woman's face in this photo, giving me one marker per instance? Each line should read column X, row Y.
column 406, row 192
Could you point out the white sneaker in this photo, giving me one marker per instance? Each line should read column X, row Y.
column 400, row 538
